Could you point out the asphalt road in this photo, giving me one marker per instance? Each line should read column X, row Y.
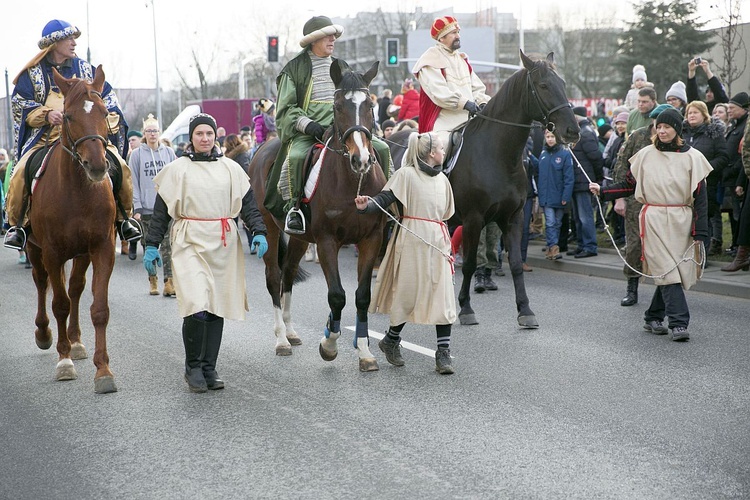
column 587, row 406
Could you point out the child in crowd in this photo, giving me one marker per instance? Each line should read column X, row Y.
column 556, row 180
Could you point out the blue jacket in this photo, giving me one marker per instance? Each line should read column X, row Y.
column 556, row 177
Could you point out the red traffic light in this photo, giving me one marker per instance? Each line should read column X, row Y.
column 273, row 41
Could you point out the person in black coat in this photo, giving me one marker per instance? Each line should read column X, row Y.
column 715, row 92
column 383, row 104
column 587, row 152
column 707, row 136
column 733, row 175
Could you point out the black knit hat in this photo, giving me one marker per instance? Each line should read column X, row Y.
column 671, row 117
column 201, row 119
column 742, row 100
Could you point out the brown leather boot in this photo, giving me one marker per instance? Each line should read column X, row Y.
column 169, row 288
column 153, row 282
column 741, row 260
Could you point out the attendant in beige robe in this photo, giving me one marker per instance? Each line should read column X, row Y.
column 203, row 192
column 414, row 282
column 668, row 178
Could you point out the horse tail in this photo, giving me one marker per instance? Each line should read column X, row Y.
column 301, row 274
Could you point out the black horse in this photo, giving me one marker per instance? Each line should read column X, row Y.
column 489, row 181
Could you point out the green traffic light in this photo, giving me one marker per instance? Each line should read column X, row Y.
column 393, row 60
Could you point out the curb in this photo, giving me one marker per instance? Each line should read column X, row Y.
column 608, row 265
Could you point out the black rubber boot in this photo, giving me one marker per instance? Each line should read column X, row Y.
column 214, row 330
column 129, row 230
column 194, row 338
column 488, row 283
column 631, row 296
column 479, row 281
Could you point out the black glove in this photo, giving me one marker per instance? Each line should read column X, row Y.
column 316, row 130
column 481, row 106
column 471, row 107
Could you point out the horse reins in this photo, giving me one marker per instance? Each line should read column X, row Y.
column 73, row 151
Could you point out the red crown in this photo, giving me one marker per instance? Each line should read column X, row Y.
column 443, row 25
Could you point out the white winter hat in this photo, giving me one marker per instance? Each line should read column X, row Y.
column 639, row 73
column 677, row 90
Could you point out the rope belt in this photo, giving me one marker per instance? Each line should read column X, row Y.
column 642, row 219
column 224, row 225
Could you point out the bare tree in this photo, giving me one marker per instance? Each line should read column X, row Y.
column 733, row 45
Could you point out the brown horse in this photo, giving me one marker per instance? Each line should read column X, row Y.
column 349, row 167
column 73, row 217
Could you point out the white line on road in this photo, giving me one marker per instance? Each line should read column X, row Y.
column 405, row 345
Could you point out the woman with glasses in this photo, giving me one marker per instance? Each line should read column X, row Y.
column 145, row 162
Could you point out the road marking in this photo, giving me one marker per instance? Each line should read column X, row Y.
column 406, row 345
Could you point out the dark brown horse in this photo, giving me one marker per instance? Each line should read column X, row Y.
column 489, row 181
column 349, row 167
column 72, row 216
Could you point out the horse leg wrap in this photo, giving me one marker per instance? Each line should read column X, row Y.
column 332, row 326
column 361, row 332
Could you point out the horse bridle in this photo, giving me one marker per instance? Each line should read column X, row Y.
column 73, row 151
column 355, row 128
column 546, row 113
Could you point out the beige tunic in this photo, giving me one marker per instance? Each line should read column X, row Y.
column 414, row 282
column 203, row 198
column 665, row 185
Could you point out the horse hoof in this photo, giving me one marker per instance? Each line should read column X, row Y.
column 283, row 350
column 327, row 355
column 43, row 343
column 294, row 339
column 78, row 351
column 368, row 365
column 65, row 370
column 104, row 385
column 528, row 321
column 468, row 319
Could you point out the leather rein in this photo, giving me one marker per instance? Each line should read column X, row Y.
column 73, row 151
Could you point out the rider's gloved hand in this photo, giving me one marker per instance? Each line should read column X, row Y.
column 260, row 241
column 471, row 107
column 151, row 259
column 481, row 106
column 316, row 130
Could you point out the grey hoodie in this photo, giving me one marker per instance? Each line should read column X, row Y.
column 144, row 164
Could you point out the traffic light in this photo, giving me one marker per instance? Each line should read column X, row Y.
column 273, row 49
column 391, row 52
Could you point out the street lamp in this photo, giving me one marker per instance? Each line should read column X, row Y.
column 242, row 76
column 156, row 63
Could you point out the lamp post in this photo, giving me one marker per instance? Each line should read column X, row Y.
column 242, row 76
column 156, row 64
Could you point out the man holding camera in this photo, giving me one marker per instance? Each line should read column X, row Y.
column 715, row 92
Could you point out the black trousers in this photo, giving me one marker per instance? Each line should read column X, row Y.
column 669, row 301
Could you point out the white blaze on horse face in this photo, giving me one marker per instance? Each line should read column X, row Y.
column 88, row 106
column 357, row 98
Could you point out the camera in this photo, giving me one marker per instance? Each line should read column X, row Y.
column 698, row 61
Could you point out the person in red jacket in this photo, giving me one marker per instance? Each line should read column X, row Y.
column 410, row 104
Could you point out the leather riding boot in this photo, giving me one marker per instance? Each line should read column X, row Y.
column 488, row 283
column 295, row 222
column 153, row 283
column 132, row 249
column 194, row 338
column 741, row 260
column 214, row 330
column 479, row 285
column 392, row 350
column 15, row 238
column 169, row 288
column 631, row 296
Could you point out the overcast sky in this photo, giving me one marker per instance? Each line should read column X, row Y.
column 120, row 33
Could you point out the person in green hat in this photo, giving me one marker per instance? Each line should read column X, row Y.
column 304, row 110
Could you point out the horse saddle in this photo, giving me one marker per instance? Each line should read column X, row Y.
column 34, row 167
column 453, row 148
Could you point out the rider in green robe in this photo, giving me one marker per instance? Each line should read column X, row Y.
column 304, row 112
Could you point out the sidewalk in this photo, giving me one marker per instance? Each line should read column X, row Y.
column 608, row 265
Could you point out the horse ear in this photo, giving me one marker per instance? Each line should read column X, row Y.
column 370, row 74
column 336, row 73
column 99, row 79
column 551, row 58
column 63, row 83
column 527, row 63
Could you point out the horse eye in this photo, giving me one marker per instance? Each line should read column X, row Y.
column 543, row 85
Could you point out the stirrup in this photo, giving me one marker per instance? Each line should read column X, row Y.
column 289, row 230
column 12, row 233
column 129, row 230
